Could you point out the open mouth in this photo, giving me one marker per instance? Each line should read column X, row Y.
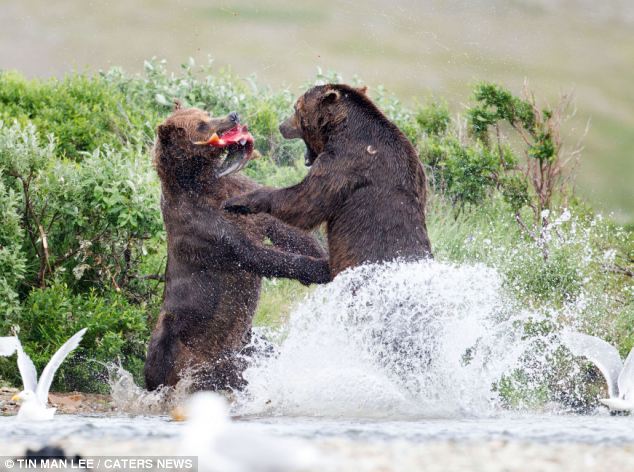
column 238, row 143
column 309, row 157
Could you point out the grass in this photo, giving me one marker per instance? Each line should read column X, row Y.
column 277, row 299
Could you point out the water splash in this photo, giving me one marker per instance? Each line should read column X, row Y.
column 129, row 398
column 396, row 340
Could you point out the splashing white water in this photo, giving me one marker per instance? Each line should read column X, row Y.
column 395, row 340
column 128, row 397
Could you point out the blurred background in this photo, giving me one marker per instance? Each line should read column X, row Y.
column 416, row 49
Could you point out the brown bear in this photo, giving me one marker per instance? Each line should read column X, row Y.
column 365, row 182
column 215, row 260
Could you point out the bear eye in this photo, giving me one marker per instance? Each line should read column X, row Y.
column 203, row 126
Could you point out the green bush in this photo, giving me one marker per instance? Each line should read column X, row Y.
column 434, row 119
column 84, row 230
column 546, row 167
column 82, row 112
column 86, row 222
column 116, row 330
column 12, row 258
column 466, row 174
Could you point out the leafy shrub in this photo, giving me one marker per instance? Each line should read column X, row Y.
column 116, row 329
column 12, row 258
column 82, row 112
column 84, row 221
column 465, row 173
column 82, row 229
column 546, row 167
column 434, row 119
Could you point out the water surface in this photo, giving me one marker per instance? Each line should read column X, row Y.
column 595, row 429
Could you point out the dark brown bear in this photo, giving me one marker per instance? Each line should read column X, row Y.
column 215, row 260
column 366, row 181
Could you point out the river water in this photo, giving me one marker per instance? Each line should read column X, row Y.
column 592, row 429
column 506, row 443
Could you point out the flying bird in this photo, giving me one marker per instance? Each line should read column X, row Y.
column 224, row 446
column 618, row 375
column 34, row 397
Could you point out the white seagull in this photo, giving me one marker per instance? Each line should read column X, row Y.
column 224, row 446
column 34, row 397
column 619, row 375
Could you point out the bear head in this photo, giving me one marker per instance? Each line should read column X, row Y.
column 318, row 113
column 191, row 145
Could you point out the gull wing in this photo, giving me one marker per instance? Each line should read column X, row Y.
column 626, row 378
column 26, row 368
column 616, row 404
column 8, row 345
column 600, row 353
column 49, row 371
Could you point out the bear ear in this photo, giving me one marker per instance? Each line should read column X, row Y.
column 177, row 104
column 164, row 132
column 331, row 96
column 168, row 133
column 363, row 90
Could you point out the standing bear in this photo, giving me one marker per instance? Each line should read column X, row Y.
column 215, row 260
column 365, row 182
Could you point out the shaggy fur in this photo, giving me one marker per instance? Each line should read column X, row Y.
column 215, row 260
column 366, row 181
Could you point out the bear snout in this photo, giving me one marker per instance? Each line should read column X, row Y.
column 289, row 128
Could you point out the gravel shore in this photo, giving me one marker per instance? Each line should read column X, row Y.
column 66, row 403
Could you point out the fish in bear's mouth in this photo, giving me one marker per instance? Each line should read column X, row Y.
column 238, row 143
